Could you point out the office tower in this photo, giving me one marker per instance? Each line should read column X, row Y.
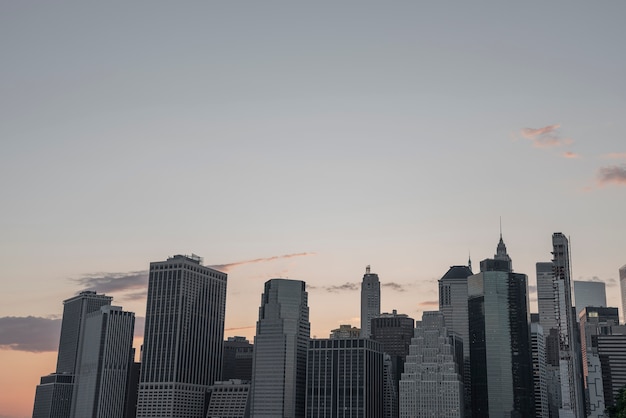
column 183, row 338
column 54, row 394
column 622, row 285
column 229, row 399
column 105, row 364
column 587, row 293
column 133, row 389
column 431, row 384
column 391, row 397
column 556, row 317
column 612, row 354
column 594, row 321
column 539, row 370
column 344, row 378
column 499, row 334
column 238, row 354
column 370, row 301
column 345, row 331
column 280, row 351
column 453, row 306
column 394, row 331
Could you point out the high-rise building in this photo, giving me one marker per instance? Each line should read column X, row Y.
column 370, row 301
column 344, row 378
column 229, row 399
column 394, row 331
column 53, row 397
column 557, row 318
column 280, row 351
column 499, row 334
column 611, row 351
column 106, row 359
column 453, row 306
column 588, row 293
column 622, row 285
column 238, row 354
column 540, row 384
column 183, row 338
column 345, row 331
column 431, row 384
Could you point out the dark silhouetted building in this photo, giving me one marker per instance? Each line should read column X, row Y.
column 238, row 354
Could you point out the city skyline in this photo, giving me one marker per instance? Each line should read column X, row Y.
column 300, row 141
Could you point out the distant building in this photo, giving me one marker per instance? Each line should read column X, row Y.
column 280, row 351
column 453, row 306
column 540, row 384
column 431, row 384
column 53, row 397
column 229, row 399
column 499, row 333
column 238, row 355
column 394, row 332
column 101, row 383
column 345, row 331
column 370, row 301
column 344, row 378
column 588, row 293
column 183, row 338
column 622, row 286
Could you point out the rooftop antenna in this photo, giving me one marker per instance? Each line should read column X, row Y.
column 469, row 260
column 500, row 227
column 367, row 269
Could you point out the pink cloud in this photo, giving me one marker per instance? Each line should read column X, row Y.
column 227, row 267
column 546, row 137
column 612, row 175
column 569, row 154
column 429, row 303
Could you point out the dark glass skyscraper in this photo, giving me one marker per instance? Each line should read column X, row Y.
column 183, row 339
column 280, row 351
column 499, row 333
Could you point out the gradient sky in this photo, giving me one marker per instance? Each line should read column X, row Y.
column 296, row 140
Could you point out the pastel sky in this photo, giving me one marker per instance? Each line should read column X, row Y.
column 281, row 139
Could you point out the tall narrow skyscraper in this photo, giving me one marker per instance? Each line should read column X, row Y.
column 554, row 294
column 622, row 285
column 183, row 338
column 370, row 301
column 280, row 351
column 499, row 334
column 105, row 364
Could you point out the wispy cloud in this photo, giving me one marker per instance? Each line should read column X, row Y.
column 239, row 328
column 429, row 304
column 615, row 156
column 116, row 282
column 612, row 175
column 546, row 137
column 30, row 333
column 572, row 155
column 229, row 266
column 342, row 287
column 395, row 286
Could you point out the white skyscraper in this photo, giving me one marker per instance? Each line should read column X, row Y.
column 370, row 301
column 554, row 294
column 431, row 384
column 105, row 361
column 280, row 351
column 622, row 286
column 183, row 338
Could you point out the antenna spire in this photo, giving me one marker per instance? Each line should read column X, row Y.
column 367, row 269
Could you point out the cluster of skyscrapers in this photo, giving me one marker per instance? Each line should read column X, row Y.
column 482, row 354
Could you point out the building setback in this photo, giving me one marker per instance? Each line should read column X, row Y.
column 344, row 378
column 280, row 351
column 183, row 338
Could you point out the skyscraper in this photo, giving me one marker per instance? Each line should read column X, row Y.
column 622, row 285
column 280, row 351
column 589, row 293
column 370, row 301
column 499, row 334
column 431, row 384
column 53, row 397
column 105, row 364
column 554, row 294
column 238, row 354
column 344, row 378
column 540, row 384
column 183, row 338
column 453, row 306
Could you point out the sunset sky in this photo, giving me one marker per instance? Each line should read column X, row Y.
column 298, row 140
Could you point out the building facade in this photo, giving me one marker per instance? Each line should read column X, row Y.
column 622, row 286
column 183, row 338
column 499, row 334
column 589, row 293
column 540, row 383
column 229, row 399
column 344, row 378
column 238, row 354
column 280, row 351
column 432, row 384
column 370, row 301
column 105, row 364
